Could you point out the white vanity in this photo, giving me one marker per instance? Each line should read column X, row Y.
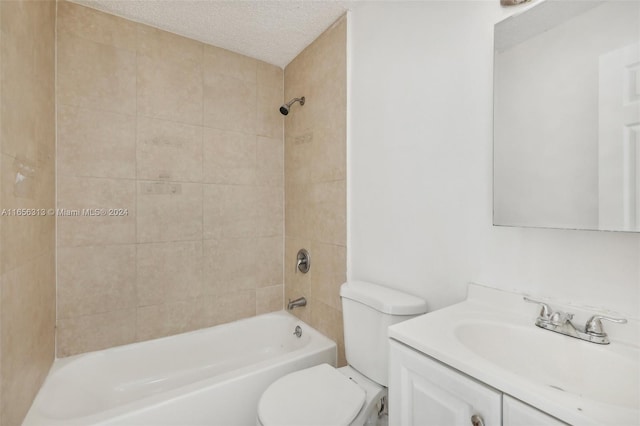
column 484, row 362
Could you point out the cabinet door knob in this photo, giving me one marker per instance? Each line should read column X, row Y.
column 476, row 420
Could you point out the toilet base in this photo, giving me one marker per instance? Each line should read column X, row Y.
column 368, row 415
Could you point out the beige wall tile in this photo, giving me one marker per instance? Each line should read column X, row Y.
column 271, row 251
column 227, row 307
column 330, row 212
column 169, row 211
column 228, row 266
column 269, row 299
column 330, row 154
column 96, row 193
column 332, row 45
column 171, row 318
column 25, row 185
column 229, row 157
column 94, row 332
column 170, row 90
column 95, row 75
column 270, row 162
column 179, row 317
column 299, row 210
column 270, row 211
column 315, row 180
column 269, row 121
column 168, row 47
column 28, row 120
column 169, row 272
column 25, row 238
column 299, row 152
column 329, row 273
column 331, row 97
column 96, row 143
column 27, row 244
column 328, row 321
column 178, row 86
column 169, row 76
column 224, row 62
column 305, row 118
column 18, row 129
column 28, row 321
column 1, row 248
column 169, row 151
column 234, row 211
column 96, row 26
column 22, row 132
column 229, row 103
column 212, row 210
column 93, row 280
column 270, row 76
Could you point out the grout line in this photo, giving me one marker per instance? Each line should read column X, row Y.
column 135, row 225
column 55, row 190
column 348, row 142
column 158, row 180
column 284, row 200
column 102, row 43
column 203, row 284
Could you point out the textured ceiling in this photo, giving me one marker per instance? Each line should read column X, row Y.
column 272, row 31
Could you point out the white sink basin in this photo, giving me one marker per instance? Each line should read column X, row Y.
column 492, row 337
column 606, row 374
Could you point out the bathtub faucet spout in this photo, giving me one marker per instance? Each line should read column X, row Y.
column 300, row 301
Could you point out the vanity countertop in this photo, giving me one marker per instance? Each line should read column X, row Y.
column 491, row 337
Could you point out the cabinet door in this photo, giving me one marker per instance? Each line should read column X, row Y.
column 424, row 392
column 517, row 413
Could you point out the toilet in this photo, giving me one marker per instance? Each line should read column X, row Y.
column 355, row 394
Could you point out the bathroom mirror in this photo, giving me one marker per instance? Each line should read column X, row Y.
column 567, row 116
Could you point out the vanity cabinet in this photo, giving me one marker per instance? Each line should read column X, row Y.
column 517, row 413
column 425, row 392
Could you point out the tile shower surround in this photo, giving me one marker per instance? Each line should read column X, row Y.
column 188, row 138
column 315, row 180
column 27, row 243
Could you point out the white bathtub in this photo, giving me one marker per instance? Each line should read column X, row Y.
column 213, row 376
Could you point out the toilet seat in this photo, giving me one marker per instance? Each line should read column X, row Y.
column 319, row 395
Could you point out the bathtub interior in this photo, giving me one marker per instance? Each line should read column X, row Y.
column 92, row 383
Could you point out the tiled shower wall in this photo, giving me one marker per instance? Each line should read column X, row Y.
column 184, row 140
column 27, row 243
column 315, row 180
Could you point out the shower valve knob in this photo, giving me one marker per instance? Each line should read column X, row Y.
column 303, row 261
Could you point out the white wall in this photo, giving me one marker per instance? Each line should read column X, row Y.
column 420, row 168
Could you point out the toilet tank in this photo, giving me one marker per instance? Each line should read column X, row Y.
column 368, row 310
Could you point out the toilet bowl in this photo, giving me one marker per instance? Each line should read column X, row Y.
column 355, row 394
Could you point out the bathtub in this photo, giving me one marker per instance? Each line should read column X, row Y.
column 213, row 376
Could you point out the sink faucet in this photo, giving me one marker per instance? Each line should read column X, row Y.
column 560, row 322
column 300, row 301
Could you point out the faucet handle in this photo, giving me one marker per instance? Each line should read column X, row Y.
column 545, row 310
column 559, row 318
column 594, row 324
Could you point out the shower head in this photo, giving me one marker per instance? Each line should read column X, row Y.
column 284, row 109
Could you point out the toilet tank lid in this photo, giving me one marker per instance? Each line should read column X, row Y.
column 383, row 299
